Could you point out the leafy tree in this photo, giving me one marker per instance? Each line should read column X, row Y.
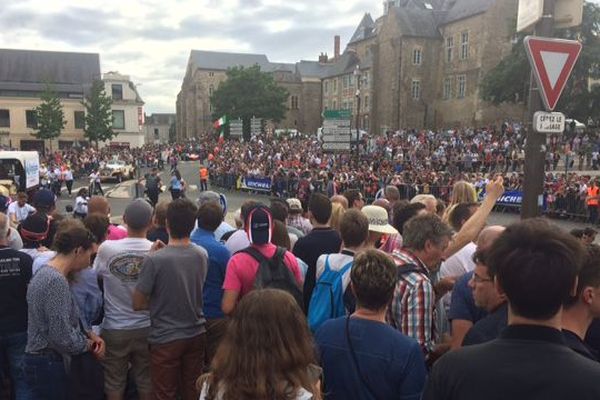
column 509, row 80
column 98, row 114
column 50, row 116
column 247, row 93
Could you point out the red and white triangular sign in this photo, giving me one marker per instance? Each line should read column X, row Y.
column 552, row 61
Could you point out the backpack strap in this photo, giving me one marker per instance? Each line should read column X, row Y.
column 254, row 253
column 346, row 267
column 327, row 266
column 406, row 269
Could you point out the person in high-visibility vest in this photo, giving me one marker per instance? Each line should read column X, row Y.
column 593, row 197
column 203, row 178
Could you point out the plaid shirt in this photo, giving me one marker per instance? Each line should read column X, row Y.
column 413, row 306
column 299, row 222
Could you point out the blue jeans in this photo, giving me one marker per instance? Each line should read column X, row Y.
column 46, row 376
column 13, row 347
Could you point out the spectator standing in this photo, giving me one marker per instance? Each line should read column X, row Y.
column 99, row 204
column 68, row 178
column 355, row 199
column 593, row 197
column 242, row 268
column 209, row 217
column 15, row 274
column 118, row 265
column 321, row 240
column 535, row 265
column 53, row 326
column 19, row 210
column 267, row 353
column 81, row 204
column 412, row 310
column 213, row 197
column 239, row 239
column 362, row 356
column 176, row 185
column 159, row 224
column 171, row 287
column 153, row 184
column 296, row 219
column 203, row 178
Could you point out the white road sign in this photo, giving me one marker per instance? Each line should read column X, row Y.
column 545, row 122
column 340, row 146
column 337, row 138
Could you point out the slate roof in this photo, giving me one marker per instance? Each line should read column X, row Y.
column 312, row 69
column 29, row 70
column 344, row 65
column 222, row 61
column 414, row 22
column 466, row 8
column 160, row 119
column 365, row 30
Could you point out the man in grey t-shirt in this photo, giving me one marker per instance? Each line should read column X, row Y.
column 170, row 286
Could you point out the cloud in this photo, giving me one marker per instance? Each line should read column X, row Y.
column 150, row 40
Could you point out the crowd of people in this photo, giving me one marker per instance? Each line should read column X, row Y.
column 329, row 297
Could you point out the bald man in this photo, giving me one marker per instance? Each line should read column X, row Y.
column 463, row 312
column 429, row 201
column 99, row 205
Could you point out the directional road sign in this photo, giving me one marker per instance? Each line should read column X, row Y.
column 336, row 146
column 552, row 61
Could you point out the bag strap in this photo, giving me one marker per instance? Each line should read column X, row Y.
column 327, row 266
column 254, row 253
column 346, row 267
column 355, row 360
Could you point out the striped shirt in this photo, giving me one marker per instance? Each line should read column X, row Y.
column 412, row 311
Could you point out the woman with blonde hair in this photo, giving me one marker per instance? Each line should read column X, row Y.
column 337, row 212
column 462, row 192
column 267, row 353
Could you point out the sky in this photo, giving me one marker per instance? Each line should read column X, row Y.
column 150, row 40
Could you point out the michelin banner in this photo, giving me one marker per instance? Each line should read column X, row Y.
column 263, row 184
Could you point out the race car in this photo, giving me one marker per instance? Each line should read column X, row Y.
column 117, row 170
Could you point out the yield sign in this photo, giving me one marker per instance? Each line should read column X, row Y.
column 552, row 61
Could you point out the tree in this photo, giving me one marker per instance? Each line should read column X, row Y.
column 98, row 114
column 509, row 80
column 247, row 93
column 49, row 116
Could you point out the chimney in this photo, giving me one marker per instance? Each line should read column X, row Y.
column 323, row 58
column 336, row 46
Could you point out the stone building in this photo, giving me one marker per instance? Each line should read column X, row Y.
column 158, row 128
column 127, row 109
column 207, row 69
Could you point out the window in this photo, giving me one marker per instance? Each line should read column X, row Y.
column 117, row 92
column 4, row 119
column 211, row 74
column 156, row 132
column 345, row 105
column 464, row 45
column 365, row 81
column 415, row 89
column 326, row 87
column 417, row 56
column 462, row 86
column 350, row 105
column 31, row 119
column 447, row 88
column 366, row 106
column 335, row 86
column 344, row 82
column 449, row 47
column 118, row 119
column 294, row 100
column 211, row 89
column 334, row 105
column 79, row 120
column 350, row 80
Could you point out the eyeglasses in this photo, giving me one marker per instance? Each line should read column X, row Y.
column 479, row 257
column 477, row 279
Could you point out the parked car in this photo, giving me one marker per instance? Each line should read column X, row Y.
column 117, row 170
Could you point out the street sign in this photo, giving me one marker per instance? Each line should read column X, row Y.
column 255, row 126
column 336, row 146
column 552, row 61
column 545, row 122
column 530, row 12
column 337, row 114
column 337, row 138
column 236, row 128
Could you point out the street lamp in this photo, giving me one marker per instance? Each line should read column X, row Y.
column 357, row 77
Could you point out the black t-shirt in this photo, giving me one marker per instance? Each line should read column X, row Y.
column 159, row 233
column 15, row 274
column 309, row 248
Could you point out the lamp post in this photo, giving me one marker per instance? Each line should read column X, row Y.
column 358, row 79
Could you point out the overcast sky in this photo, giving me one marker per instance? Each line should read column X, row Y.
column 150, row 40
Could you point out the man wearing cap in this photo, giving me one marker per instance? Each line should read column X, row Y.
column 219, row 199
column 296, row 219
column 242, row 267
column 34, row 230
column 125, row 331
column 44, row 202
column 378, row 225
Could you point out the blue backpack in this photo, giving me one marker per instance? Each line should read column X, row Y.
column 327, row 300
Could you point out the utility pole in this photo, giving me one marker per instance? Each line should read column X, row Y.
column 358, row 79
column 534, row 150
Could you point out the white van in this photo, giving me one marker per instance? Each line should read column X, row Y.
column 19, row 171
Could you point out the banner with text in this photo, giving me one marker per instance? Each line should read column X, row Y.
column 251, row 183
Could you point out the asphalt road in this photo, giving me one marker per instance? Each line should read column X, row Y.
column 121, row 194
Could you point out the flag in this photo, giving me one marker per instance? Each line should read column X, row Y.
column 220, row 122
column 222, row 136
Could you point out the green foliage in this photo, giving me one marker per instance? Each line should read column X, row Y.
column 509, row 80
column 98, row 114
column 249, row 92
column 50, row 116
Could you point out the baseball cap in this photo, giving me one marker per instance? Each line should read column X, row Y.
column 35, row 227
column 210, row 196
column 44, row 198
column 378, row 220
column 295, row 204
column 259, row 225
column 138, row 214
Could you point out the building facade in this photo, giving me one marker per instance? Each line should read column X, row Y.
column 127, row 109
column 206, row 70
column 159, row 127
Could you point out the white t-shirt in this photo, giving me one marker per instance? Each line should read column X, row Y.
column 118, row 264
column 237, row 241
column 458, row 264
column 81, row 205
column 20, row 212
column 42, row 259
column 336, row 263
